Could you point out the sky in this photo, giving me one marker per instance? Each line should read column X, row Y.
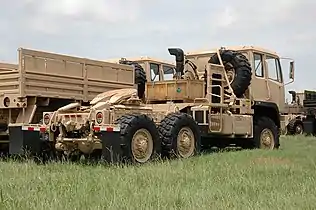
column 102, row 29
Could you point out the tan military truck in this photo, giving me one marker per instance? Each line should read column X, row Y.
column 43, row 81
column 226, row 96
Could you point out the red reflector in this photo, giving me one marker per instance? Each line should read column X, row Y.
column 30, row 128
column 109, row 129
column 42, row 129
column 72, row 115
column 96, row 128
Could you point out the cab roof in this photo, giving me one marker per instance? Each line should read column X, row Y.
column 236, row 48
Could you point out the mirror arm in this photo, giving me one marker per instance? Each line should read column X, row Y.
column 289, row 82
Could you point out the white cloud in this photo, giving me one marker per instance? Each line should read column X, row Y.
column 53, row 17
column 98, row 10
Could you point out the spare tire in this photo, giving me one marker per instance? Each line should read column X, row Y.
column 241, row 67
column 140, row 77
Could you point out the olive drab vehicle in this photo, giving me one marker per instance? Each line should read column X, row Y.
column 309, row 111
column 227, row 96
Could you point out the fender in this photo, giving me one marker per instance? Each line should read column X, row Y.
column 269, row 109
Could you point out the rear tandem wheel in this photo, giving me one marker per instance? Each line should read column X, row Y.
column 180, row 135
column 139, row 137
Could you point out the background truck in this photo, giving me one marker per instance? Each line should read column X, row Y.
column 309, row 104
column 43, row 81
column 156, row 69
column 227, row 96
column 296, row 114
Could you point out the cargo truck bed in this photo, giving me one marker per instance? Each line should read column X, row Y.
column 49, row 75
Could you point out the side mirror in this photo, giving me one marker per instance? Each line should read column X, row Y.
column 291, row 70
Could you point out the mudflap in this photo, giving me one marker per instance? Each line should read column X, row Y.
column 111, row 147
column 24, row 141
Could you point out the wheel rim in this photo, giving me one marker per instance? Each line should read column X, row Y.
column 299, row 129
column 266, row 139
column 142, row 145
column 185, row 142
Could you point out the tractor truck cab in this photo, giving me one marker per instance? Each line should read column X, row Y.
column 264, row 87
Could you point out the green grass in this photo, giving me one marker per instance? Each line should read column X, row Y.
column 284, row 179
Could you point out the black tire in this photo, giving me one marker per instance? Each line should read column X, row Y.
column 294, row 125
column 260, row 124
column 169, row 129
column 242, row 69
column 130, row 124
column 140, row 77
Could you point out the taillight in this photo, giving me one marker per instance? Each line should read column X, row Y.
column 99, row 117
column 46, row 119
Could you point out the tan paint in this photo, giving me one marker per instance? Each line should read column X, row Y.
column 230, row 116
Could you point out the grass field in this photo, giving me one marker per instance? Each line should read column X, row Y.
column 284, row 179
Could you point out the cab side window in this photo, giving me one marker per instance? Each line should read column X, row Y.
column 258, row 58
column 168, row 72
column 154, row 72
column 274, row 69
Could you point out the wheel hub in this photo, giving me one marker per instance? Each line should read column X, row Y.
column 185, row 142
column 142, row 145
column 298, row 129
column 267, row 139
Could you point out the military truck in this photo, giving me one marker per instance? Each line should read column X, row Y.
column 309, row 104
column 43, row 81
column 296, row 113
column 226, row 96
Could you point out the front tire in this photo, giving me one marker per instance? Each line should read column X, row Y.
column 265, row 134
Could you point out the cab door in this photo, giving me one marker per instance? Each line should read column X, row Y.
column 259, row 82
column 275, row 81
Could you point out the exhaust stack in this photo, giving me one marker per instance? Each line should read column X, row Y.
column 179, row 54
